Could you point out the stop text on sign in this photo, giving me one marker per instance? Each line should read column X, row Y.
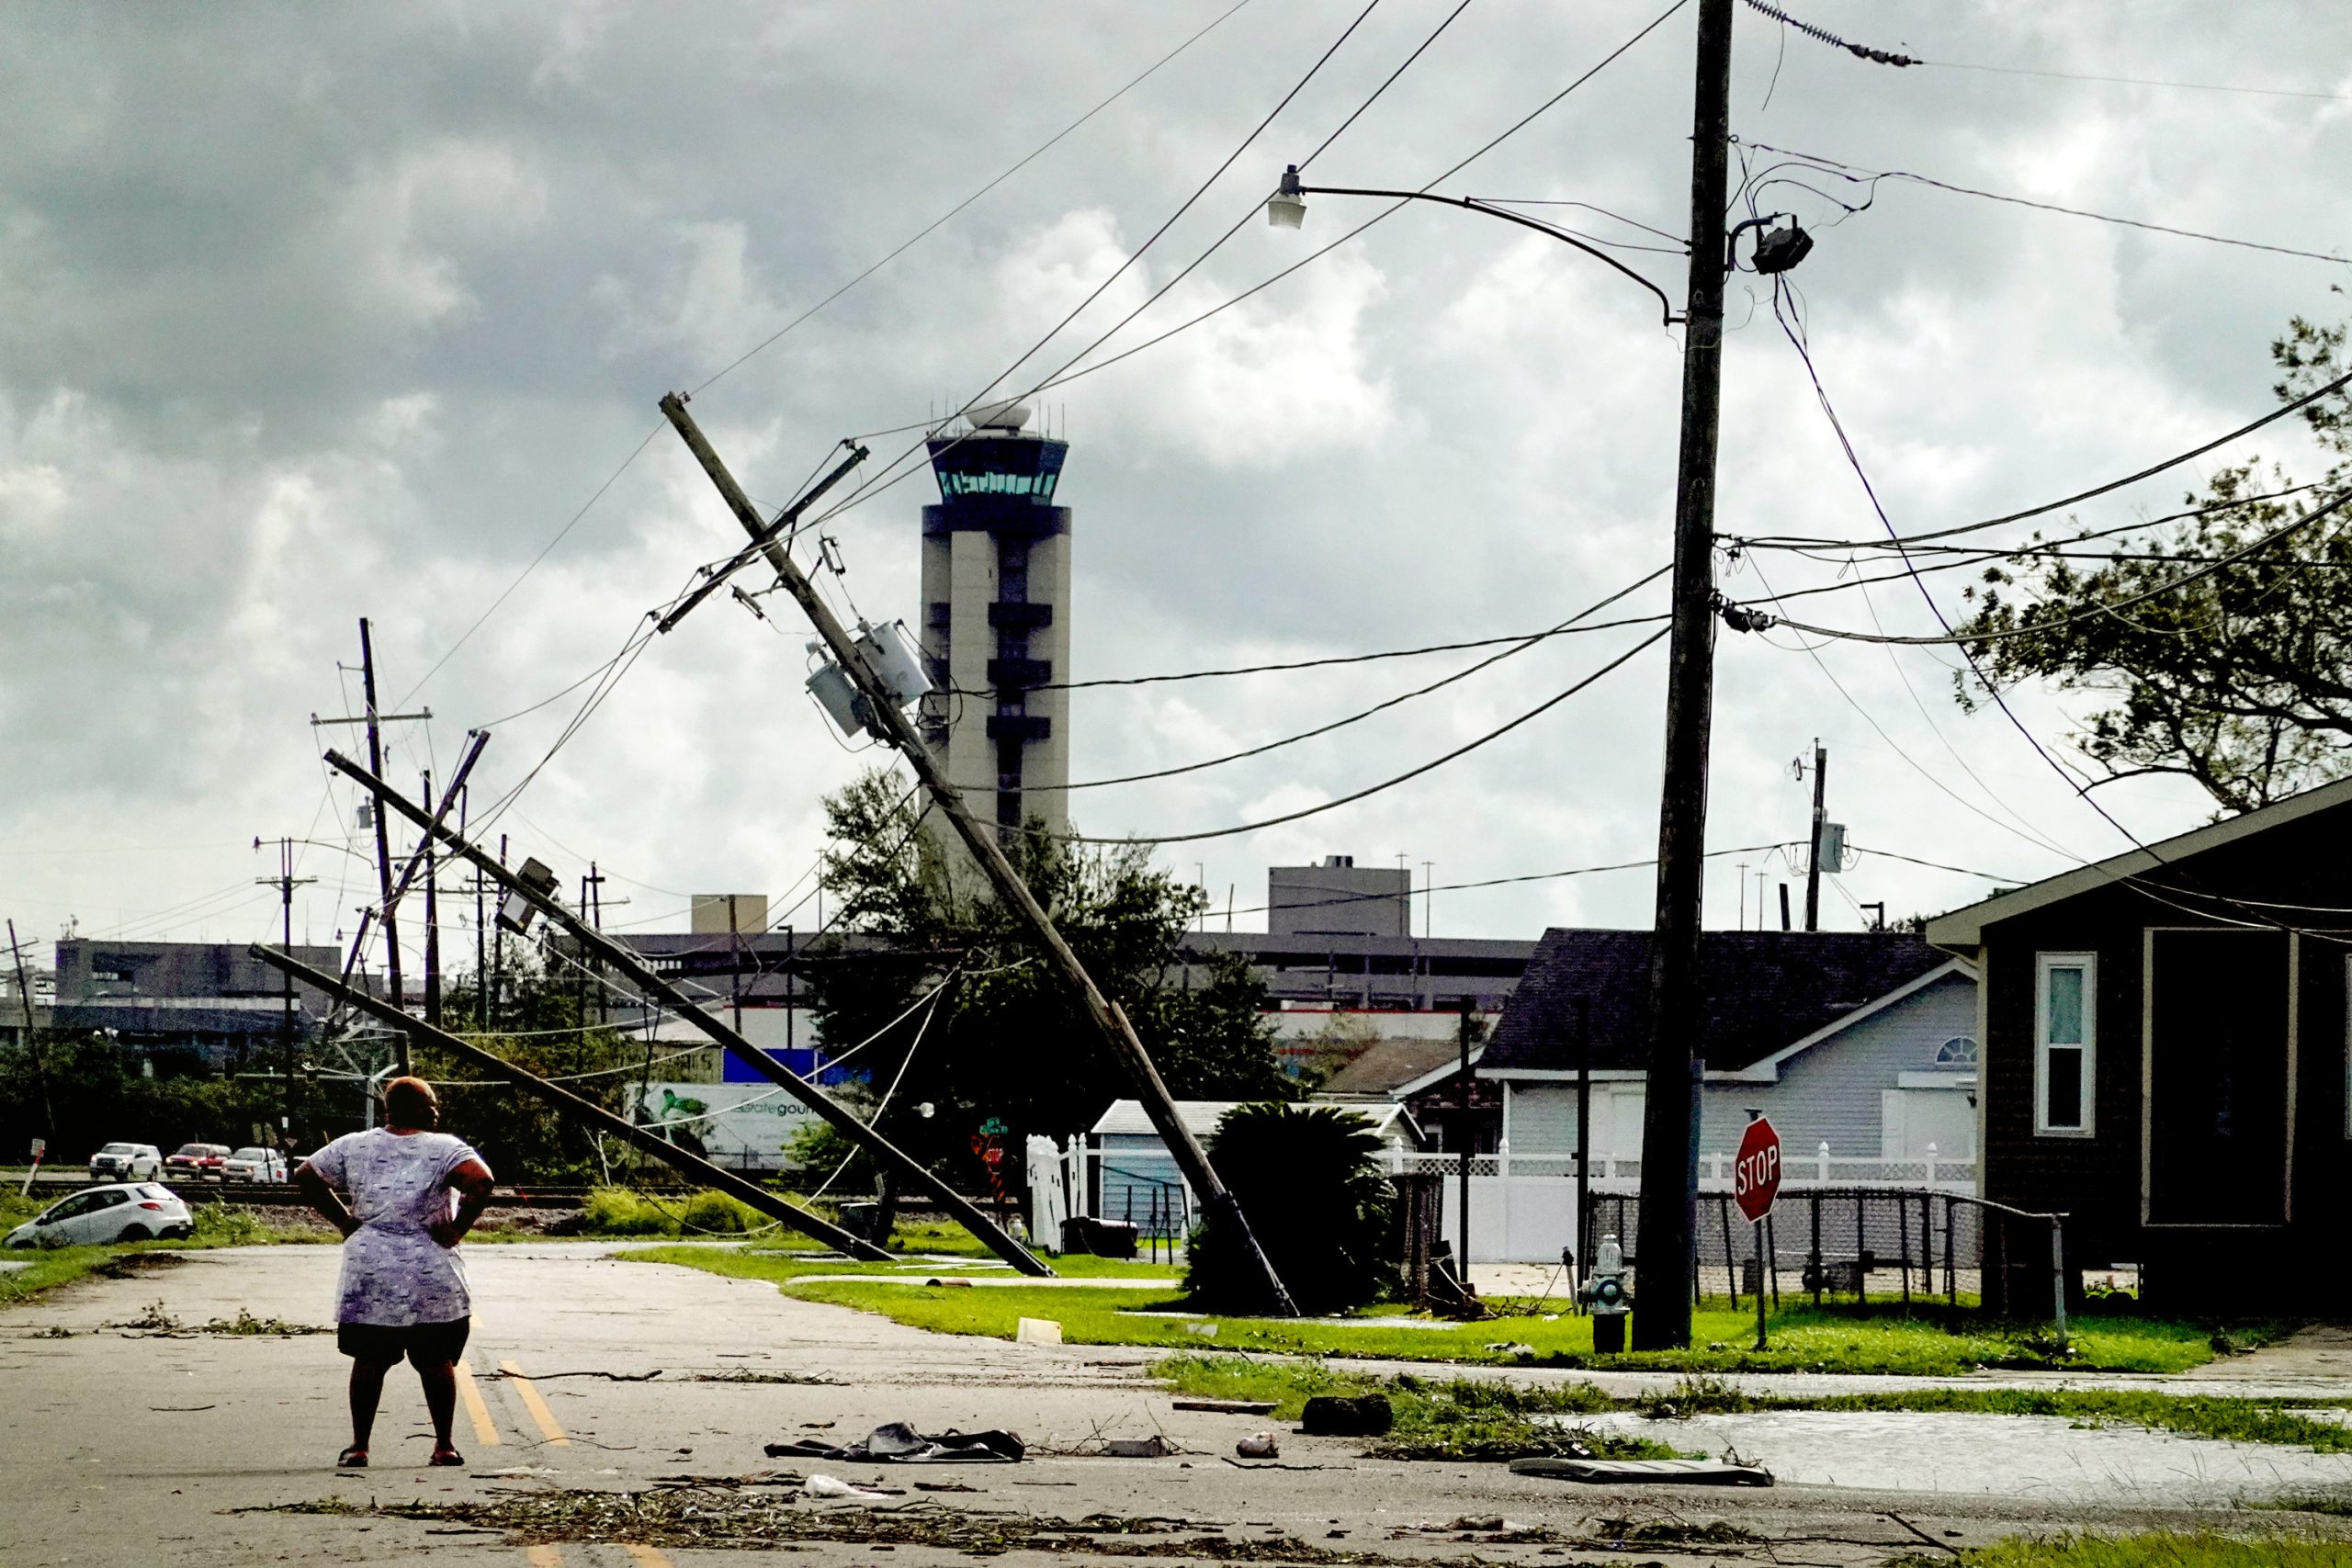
column 1756, row 1170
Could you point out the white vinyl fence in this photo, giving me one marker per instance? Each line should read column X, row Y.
column 1522, row 1207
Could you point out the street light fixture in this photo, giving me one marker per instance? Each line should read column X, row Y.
column 1287, row 209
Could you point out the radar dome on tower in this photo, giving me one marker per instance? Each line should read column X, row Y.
column 1010, row 414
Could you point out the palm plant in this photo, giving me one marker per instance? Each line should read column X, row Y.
column 1308, row 1179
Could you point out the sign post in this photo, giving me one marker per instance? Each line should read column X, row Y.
column 1754, row 1182
column 41, row 1147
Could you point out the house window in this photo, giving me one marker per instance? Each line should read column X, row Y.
column 1960, row 1051
column 2066, row 1008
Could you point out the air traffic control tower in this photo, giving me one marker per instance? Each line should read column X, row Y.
column 996, row 618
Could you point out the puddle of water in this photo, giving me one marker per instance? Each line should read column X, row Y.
column 2025, row 1456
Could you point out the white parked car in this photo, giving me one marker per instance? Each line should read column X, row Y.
column 95, row 1216
column 127, row 1162
column 254, row 1165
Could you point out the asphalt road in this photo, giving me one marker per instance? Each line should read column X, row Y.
column 129, row 1445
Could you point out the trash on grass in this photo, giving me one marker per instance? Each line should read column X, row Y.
column 1037, row 1331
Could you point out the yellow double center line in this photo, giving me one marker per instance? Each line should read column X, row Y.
column 548, row 1556
column 485, row 1433
column 541, row 1416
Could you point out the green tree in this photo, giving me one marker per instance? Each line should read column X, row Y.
column 2232, row 663
column 1003, row 1049
column 1309, row 1180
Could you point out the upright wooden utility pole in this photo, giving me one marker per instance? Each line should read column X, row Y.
column 1669, row 1201
column 286, row 882
column 1463, row 1129
column 1820, row 819
column 1118, row 1034
column 383, row 844
column 432, row 921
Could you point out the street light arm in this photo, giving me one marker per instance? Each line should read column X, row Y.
column 1666, row 306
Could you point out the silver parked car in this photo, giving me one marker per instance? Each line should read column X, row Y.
column 127, row 1162
column 255, row 1164
column 129, row 1211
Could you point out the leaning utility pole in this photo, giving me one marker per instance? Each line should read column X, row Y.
column 568, row 1103
column 625, row 961
column 1109, row 1021
column 32, row 1039
column 1669, row 1201
column 1820, row 817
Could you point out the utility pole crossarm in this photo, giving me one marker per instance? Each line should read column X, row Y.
column 1111, row 1024
column 750, row 1192
column 763, row 538
column 651, row 984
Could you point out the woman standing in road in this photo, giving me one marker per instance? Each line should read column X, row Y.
column 403, row 1286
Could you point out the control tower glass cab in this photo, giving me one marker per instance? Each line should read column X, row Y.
column 996, row 618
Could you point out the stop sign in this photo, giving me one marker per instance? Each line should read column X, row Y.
column 1755, row 1175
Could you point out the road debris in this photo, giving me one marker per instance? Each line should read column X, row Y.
column 721, row 1517
column 1037, row 1331
column 1156, row 1446
column 1636, row 1472
column 1259, row 1445
column 899, row 1443
column 155, row 1323
column 1227, row 1406
column 1348, row 1415
column 833, row 1487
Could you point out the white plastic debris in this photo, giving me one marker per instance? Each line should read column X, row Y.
column 1259, row 1445
column 1038, row 1331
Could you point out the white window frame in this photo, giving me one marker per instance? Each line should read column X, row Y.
column 2043, row 963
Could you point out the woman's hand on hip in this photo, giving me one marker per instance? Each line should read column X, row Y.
column 449, row 1232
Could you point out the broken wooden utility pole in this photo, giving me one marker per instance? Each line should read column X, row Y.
column 32, row 1039
column 1117, row 1034
column 621, row 958
column 749, row 1193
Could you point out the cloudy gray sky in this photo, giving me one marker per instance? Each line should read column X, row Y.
column 310, row 317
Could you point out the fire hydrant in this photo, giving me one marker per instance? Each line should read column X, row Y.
column 1606, row 1297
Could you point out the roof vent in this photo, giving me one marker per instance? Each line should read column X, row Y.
column 1342, row 863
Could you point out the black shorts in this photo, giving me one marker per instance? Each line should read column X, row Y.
column 424, row 1344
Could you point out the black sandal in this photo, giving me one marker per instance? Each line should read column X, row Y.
column 445, row 1457
column 353, row 1458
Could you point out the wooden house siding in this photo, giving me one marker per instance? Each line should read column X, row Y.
column 2293, row 875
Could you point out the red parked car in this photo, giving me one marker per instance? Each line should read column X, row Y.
column 197, row 1162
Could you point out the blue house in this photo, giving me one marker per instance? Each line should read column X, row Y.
column 1864, row 1042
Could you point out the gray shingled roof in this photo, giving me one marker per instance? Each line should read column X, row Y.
column 1762, row 990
